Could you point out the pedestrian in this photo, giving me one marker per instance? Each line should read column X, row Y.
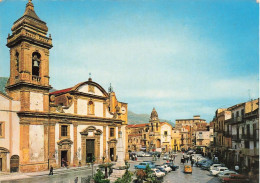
column 51, row 170
column 112, row 157
column 76, row 180
column 192, row 163
column 237, row 168
column 190, row 158
column 62, row 162
column 187, row 160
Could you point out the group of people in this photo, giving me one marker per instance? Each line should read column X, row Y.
column 133, row 157
column 186, row 159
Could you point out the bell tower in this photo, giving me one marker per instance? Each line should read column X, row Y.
column 29, row 61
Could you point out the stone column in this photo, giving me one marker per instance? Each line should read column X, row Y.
column 24, row 145
column 105, row 142
column 75, row 156
column 52, row 144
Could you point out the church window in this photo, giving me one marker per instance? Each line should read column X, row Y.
column 90, row 107
column 64, row 130
column 36, row 64
column 165, row 133
column 156, row 126
column 17, row 61
column 112, row 132
column 2, row 128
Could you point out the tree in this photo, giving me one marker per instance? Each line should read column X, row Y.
column 91, row 159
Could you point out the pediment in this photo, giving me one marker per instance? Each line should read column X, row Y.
column 90, row 87
column 92, row 130
column 112, row 141
column 3, row 150
column 65, row 142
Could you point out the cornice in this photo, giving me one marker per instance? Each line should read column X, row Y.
column 60, row 117
column 22, row 83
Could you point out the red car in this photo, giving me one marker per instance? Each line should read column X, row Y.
column 235, row 178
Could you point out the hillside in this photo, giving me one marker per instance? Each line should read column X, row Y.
column 3, row 81
column 134, row 118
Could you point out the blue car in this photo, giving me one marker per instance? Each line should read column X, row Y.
column 143, row 165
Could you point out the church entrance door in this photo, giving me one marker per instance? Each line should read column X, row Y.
column 64, row 157
column 90, row 149
column 14, row 163
column 112, row 154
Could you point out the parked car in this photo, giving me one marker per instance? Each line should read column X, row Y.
column 226, row 173
column 172, row 166
column 140, row 154
column 202, row 161
column 167, row 168
column 187, row 169
column 157, row 173
column 166, row 157
column 235, row 178
column 207, row 165
column 147, row 154
column 161, row 169
column 143, row 165
column 214, row 166
column 196, row 157
column 218, row 170
column 191, row 152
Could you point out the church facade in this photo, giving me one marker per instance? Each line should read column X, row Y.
column 39, row 128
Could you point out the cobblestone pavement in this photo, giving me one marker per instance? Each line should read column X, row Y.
column 197, row 176
column 58, row 177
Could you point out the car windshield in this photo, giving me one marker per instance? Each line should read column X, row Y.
column 157, row 171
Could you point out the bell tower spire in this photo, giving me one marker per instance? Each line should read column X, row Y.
column 29, row 57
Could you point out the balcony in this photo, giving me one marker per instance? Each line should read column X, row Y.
column 236, row 138
column 248, row 137
column 250, row 152
column 36, row 79
column 238, row 119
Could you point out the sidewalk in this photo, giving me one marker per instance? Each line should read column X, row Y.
column 14, row 176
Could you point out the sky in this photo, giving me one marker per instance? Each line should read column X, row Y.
column 183, row 57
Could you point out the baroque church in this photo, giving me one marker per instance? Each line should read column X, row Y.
column 39, row 128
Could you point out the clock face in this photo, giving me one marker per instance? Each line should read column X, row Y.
column 123, row 110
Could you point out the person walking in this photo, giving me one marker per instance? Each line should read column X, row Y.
column 51, row 170
column 192, row 163
column 76, row 180
column 237, row 168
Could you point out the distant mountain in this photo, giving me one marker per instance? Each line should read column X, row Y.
column 134, row 118
column 3, row 81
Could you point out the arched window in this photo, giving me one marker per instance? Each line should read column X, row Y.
column 17, row 61
column 36, row 58
column 90, row 107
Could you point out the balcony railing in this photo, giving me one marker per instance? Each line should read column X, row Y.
column 248, row 137
column 236, row 138
column 250, row 152
column 36, row 79
column 236, row 120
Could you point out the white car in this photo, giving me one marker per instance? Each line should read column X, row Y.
column 226, row 173
column 218, row 170
column 158, row 173
column 214, row 166
column 166, row 168
column 196, row 157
